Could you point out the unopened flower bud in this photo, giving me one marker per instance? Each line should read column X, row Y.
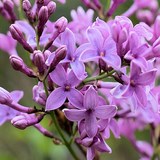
column 56, row 57
column 5, row 97
column 26, row 120
column 61, row 24
column 16, row 62
column 51, row 7
column 42, row 19
column 19, row 65
column 17, row 34
column 39, row 61
column 9, row 7
column 26, row 5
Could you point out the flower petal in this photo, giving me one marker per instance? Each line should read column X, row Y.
column 55, row 99
column 75, row 98
column 58, row 75
column 105, row 111
column 91, row 125
column 78, row 68
column 141, row 95
column 89, row 55
column 95, row 38
column 146, row 78
column 74, row 114
column 90, row 98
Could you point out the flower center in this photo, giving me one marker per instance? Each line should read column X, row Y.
column 67, row 88
column 132, row 82
column 102, row 54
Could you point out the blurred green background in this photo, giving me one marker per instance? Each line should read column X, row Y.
column 29, row 144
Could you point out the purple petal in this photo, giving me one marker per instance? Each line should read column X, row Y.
column 68, row 39
column 75, row 97
column 74, row 114
column 146, row 78
column 90, row 153
column 78, row 68
column 105, row 111
column 110, row 46
column 72, row 79
column 95, row 38
column 141, row 95
column 128, row 91
column 55, row 99
column 16, row 95
column 58, row 75
column 114, row 127
column 113, row 60
column 135, row 70
column 91, row 125
column 89, row 55
column 90, row 98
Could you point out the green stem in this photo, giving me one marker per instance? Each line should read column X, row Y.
column 45, row 88
column 102, row 76
column 20, row 10
column 62, row 136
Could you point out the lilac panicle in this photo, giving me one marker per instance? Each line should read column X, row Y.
column 25, row 120
column 67, row 83
column 90, row 111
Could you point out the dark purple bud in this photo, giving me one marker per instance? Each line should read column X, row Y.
column 19, row 65
column 38, row 59
column 18, row 35
column 26, row 120
column 16, row 62
column 61, row 24
column 60, row 54
column 5, row 97
column 51, row 7
column 26, row 5
column 42, row 19
column 9, row 7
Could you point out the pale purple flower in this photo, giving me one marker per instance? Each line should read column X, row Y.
column 39, row 95
column 99, row 48
column 73, row 54
column 90, row 111
column 6, row 112
column 67, row 83
column 81, row 20
column 136, row 84
column 8, row 44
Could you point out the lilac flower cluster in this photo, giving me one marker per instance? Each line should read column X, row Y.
column 94, row 76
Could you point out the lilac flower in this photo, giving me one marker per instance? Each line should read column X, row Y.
column 81, row 21
column 67, row 83
column 94, row 144
column 6, row 112
column 8, row 44
column 73, row 54
column 99, row 48
column 90, row 111
column 39, row 95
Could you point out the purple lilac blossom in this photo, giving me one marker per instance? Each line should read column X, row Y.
column 67, row 81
